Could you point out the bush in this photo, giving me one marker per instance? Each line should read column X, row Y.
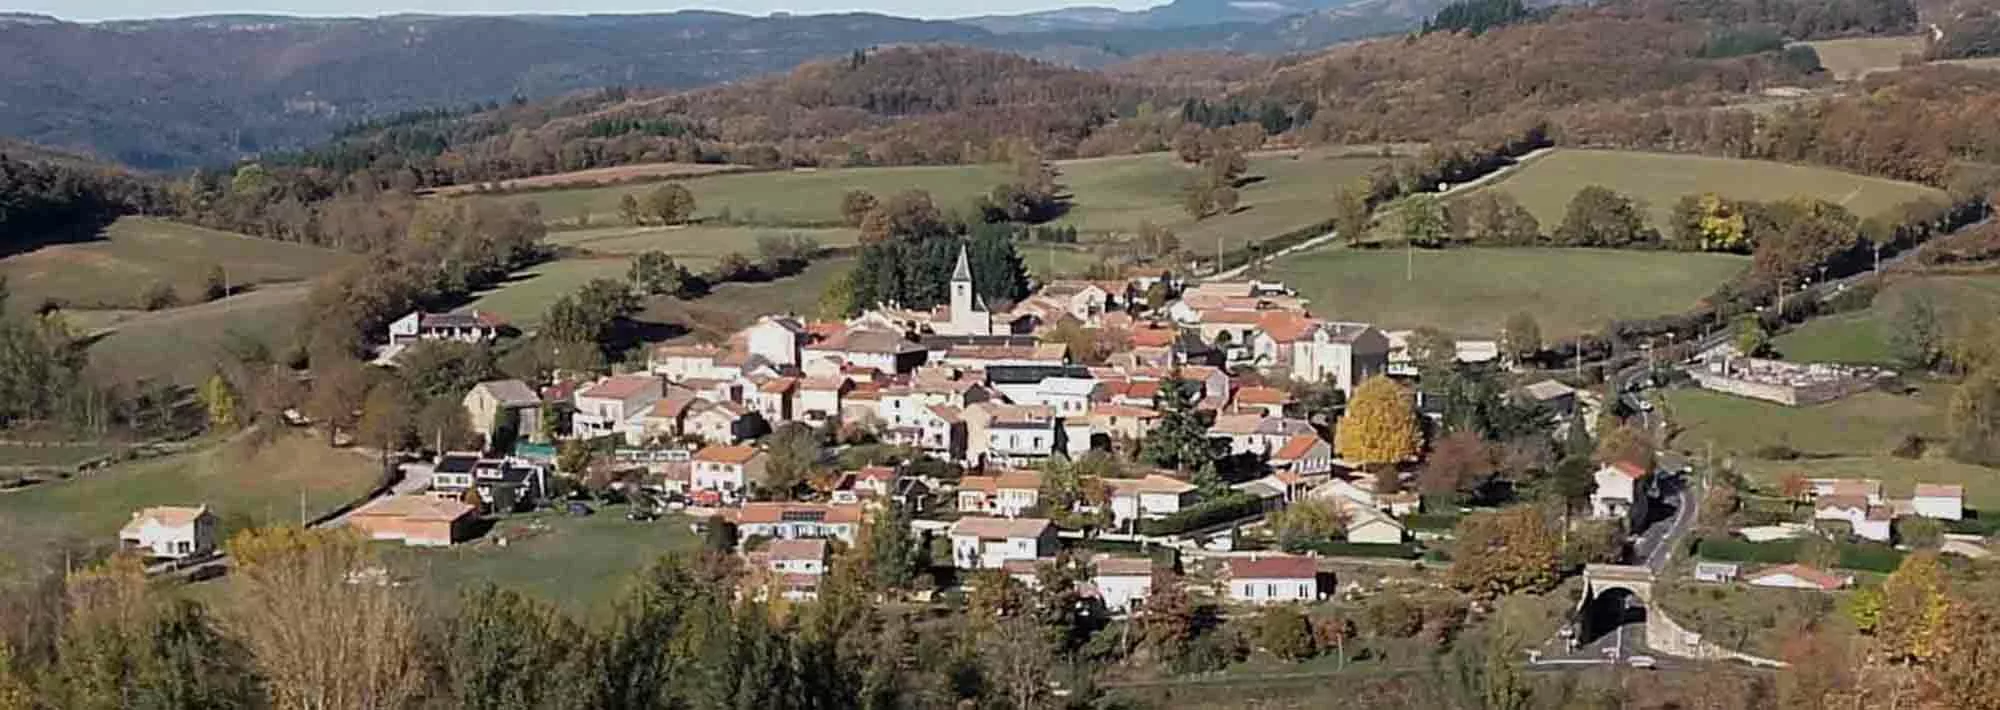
column 159, row 296
column 1870, row 557
column 1973, row 524
column 1431, row 521
column 1235, row 506
column 1776, row 452
column 1910, row 446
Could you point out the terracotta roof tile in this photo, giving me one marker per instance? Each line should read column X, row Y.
column 726, row 454
column 1275, row 567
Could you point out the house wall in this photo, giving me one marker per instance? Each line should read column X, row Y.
column 1938, row 508
column 1120, row 592
column 1273, row 591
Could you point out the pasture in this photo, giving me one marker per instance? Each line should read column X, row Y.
column 1545, row 185
column 1471, row 292
column 244, row 483
column 595, row 177
column 135, row 253
column 1856, row 58
column 526, row 295
column 1866, row 424
column 714, row 317
column 1863, row 337
column 1898, row 475
column 184, row 345
column 696, row 246
column 579, row 563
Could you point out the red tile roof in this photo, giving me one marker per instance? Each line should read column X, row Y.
column 726, row 454
column 1631, row 470
column 620, row 387
column 1276, row 567
column 1297, row 447
column 1000, row 528
column 1286, row 326
column 1940, row 490
column 797, row 549
column 1262, row 396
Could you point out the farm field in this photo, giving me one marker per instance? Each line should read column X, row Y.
column 1866, row 424
column 579, row 563
column 1546, row 185
column 1863, row 337
column 1982, row 485
column 244, row 484
column 596, row 177
column 1851, row 59
column 694, row 246
column 1284, row 191
column 1472, row 291
column 526, row 296
column 183, row 345
column 137, row 252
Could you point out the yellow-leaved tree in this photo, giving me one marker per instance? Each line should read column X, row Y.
column 1380, row 427
column 1914, row 609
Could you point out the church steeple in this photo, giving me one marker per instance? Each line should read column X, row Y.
column 962, row 272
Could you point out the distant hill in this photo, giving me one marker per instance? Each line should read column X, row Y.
column 1178, row 13
column 180, row 92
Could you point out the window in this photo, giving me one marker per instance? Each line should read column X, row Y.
column 1305, row 591
column 1270, row 590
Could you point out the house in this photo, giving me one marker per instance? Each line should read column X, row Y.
column 1273, row 579
column 878, row 349
column 1259, row 434
column 487, row 401
column 1121, row 421
column 989, row 543
column 1868, row 521
column 1277, row 333
column 1799, row 577
column 937, row 429
column 819, row 398
column 1552, row 395
column 776, row 339
column 1122, row 583
column 797, row 565
column 604, row 408
column 1010, row 435
column 1009, row 494
column 1365, row 524
column 797, row 521
column 171, row 532
column 1464, row 351
column 468, row 327
column 1151, row 497
column 1083, row 300
column 1715, row 572
column 729, row 470
column 1343, row 353
column 502, row 484
column 1868, row 489
column 702, row 361
column 980, row 357
column 774, row 397
column 1304, row 454
column 1066, row 390
column 1621, row 492
column 416, row 521
column 1268, row 401
column 1939, row 501
column 876, row 481
column 723, row 422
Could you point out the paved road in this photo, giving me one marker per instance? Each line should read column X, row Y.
column 1322, row 239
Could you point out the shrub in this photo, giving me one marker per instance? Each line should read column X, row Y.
column 1911, row 446
column 1431, row 521
column 1776, row 452
column 159, row 296
column 1870, row 557
column 1235, row 506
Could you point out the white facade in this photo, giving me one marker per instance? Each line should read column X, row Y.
column 776, row 339
column 1939, row 502
column 1120, row 591
column 602, row 408
column 1273, row 590
column 170, row 532
column 1345, row 353
column 989, row 543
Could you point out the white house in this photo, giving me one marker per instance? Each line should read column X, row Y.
column 871, row 348
column 1798, row 577
column 690, row 362
column 602, row 408
column 1123, row 583
column 728, row 470
column 1868, row 489
column 1009, row 435
column 1345, row 353
column 1870, row 522
column 1306, row 455
column 1620, row 492
column 469, row 327
column 988, row 543
column 776, row 339
column 171, row 532
column 796, row 566
column 797, row 521
column 1367, row 525
column 1153, row 496
column 819, row 398
column 1939, row 500
column 1008, row 494
column 1274, row 579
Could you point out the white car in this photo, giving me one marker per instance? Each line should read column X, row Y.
column 1642, row 662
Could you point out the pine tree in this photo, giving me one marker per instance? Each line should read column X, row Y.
column 1180, row 441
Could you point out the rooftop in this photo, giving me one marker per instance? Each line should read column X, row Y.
column 765, row 513
column 1001, row 528
column 1273, row 567
column 415, row 507
column 807, row 549
column 726, row 454
column 620, row 387
column 510, row 393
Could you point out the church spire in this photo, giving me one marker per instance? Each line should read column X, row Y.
column 963, row 272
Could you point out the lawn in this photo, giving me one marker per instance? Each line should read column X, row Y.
column 526, row 296
column 135, row 253
column 243, row 483
column 1863, row 336
column 693, row 246
column 183, row 345
column 1898, row 475
column 1865, row 424
column 579, row 563
column 1284, row 191
column 1851, row 59
column 1545, row 185
column 1473, row 291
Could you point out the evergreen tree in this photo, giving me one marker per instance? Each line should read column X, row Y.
column 1180, row 441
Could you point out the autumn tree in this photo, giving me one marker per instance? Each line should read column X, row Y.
column 1351, row 211
column 1285, row 632
column 1380, row 427
column 1709, row 222
column 1494, row 218
column 1423, row 220
column 387, row 417
column 793, row 456
column 629, row 210
column 1626, row 443
column 655, row 273
column 671, row 203
column 855, row 206
column 1155, row 241
column 1599, row 217
column 1458, row 466
column 502, row 650
column 1974, row 418
column 1749, row 337
column 1521, row 337
column 219, row 400
column 338, row 388
column 1501, row 552
column 1307, row 523
column 1915, row 609
column 1915, row 335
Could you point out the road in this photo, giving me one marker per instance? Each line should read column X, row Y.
column 1323, row 239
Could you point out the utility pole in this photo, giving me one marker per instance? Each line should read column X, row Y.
column 1409, row 259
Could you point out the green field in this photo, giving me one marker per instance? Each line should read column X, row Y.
column 1284, row 191
column 1850, row 59
column 714, row 317
column 1982, row 485
column 137, row 252
column 526, row 296
column 693, row 246
column 242, row 483
column 579, row 563
column 1863, row 336
column 1546, row 184
column 184, row 345
column 1473, row 291
column 1865, row 424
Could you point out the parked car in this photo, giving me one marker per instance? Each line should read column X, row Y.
column 1642, row 662
column 578, row 509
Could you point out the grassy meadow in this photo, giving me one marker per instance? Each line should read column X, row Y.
column 1863, row 337
column 1855, row 58
column 135, row 253
column 1471, row 292
column 694, row 246
column 580, row 563
column 526, row 296
column 183, row 345
column 1898, row 475
column 734, row 305
column 1546, row 185
column 1864, row 424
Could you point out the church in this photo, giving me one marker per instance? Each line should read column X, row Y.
column 966, row 314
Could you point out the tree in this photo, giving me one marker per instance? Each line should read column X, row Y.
column 793, row 457
column 1380, row 428
column 444, row 425
column 1157, row 242
column 220, row 402
column 1914, row 334
column 670, row 204
column 855, row 206
column 214, row 284
column 505, row 651
column 655, row 274
column 1521, row 338
column 159, row 296
column 628, row 209
column 1750, row 338
column 893, row 554
column 1974, row 418
column 1351, row 211
column 445, row 368
column 338, row 389
column 1306, row 523
column 1180, row 441
column 1600, row 217
column 1459, row 465
column 1915, row 610
column 1433, row 351
column 387, row 417
column 1285, row 633
column 1624, row 442
column 1423, row 220
column 1709, row 222
column 1501, row 552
